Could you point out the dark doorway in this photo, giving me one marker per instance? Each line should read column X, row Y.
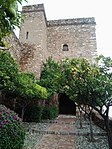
column 66, row 106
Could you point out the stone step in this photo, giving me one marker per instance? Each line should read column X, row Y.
column 66, row 133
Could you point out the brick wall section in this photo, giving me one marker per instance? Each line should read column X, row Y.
column 78, row 34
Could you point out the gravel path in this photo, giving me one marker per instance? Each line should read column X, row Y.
column 35, row 132
column 83, row 142
column 32, row 137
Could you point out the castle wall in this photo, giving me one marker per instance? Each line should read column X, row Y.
column 28, row 56
column 31, row 59
column 14, row 46
column 42, row 38
column 78, row 34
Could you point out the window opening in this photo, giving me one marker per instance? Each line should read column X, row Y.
column 65, row 47
column 27, row 33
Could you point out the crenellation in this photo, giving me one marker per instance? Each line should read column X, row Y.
column 32, row 11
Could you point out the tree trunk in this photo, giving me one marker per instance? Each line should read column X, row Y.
column 22, row 113
column 85, row 114
column 109, row 132
column 80, row 111
column 91, row 127
column 14, row 104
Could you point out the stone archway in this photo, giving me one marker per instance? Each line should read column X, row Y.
column 66, row 106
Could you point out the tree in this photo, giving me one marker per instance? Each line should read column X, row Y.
column 84, row 83
column 9, row 17
column 22, row 86
column 27, row 90
column 92, row 85
column 73, row 86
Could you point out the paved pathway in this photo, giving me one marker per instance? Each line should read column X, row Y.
column 59, row 134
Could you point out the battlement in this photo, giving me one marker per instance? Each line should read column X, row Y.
column 61, row 22
column 33, row 8
column 76, row 21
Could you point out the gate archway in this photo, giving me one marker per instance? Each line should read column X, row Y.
column 66, row 106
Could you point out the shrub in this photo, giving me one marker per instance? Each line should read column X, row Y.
column 12, row 133
column 33, row 113
column 50, row 112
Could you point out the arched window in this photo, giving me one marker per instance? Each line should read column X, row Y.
column 65, row 47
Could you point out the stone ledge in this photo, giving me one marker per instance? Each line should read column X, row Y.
column 77, row 21
column 64, row 133
column 33, row 8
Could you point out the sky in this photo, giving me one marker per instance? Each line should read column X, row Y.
column 68, row 9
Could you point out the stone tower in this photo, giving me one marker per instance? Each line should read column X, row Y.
column 33, row 34
column 57, row 38
column 34, row 30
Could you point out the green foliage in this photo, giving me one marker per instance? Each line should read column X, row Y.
column 41, row 91
column 50, row 76
column 89, row 84
column 9, row 17
column 83, row 82
column 78, row 69
column 8, row 71
column 27, row 88
column 105, row 64
column 37, row 113
column 33, row 114
column 19, row 84
column 12, row 133
column 50, row 112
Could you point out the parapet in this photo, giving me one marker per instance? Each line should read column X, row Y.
column 33, row 8
column 76, row 21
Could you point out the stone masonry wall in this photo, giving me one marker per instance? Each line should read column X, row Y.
column 41, row 38
column 33, row 35
column 28, row 56
column 31, row 59
column 78, row 34
column 33, row 30
column 14, row 46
